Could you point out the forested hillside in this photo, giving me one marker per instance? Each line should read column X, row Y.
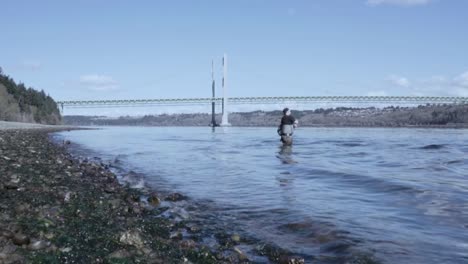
column 18, row 103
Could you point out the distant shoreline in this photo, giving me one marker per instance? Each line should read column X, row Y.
column 462, row 126
column 7, row 125
column 431, row 116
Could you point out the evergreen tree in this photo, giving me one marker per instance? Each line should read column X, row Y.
column 23, row 104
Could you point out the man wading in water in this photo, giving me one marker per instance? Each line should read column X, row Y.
column 286, row 128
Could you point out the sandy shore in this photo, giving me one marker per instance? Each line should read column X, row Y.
column 55, row 208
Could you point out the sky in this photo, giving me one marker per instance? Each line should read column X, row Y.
column 84, row 50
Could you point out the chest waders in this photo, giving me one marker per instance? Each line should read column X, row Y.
column 286, row 132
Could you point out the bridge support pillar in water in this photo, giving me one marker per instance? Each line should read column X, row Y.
column 213, row 119
column 225, row 121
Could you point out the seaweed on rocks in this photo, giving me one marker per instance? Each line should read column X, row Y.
column 57, row 209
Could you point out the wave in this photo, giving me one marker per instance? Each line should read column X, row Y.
column 362, row 181
column 434, row 146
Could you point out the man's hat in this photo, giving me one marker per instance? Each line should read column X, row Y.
column 285, row 110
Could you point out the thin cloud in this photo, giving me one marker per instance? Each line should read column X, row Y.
column 461, row 85
column 437, row 85
column 442, row 86
column 398, row 81
column 460, row 91
column 377, row 93
column 98, row 82
column 462, row 80
column 398, row 2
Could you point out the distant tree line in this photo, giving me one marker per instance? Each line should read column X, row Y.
column 22, row 104
column 449, row 115
column 445, row 115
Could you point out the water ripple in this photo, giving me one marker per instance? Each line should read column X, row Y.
column 336, row 195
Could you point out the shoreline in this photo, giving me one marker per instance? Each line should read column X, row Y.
column 57, row 208
column 9, row 125
column 464, row 126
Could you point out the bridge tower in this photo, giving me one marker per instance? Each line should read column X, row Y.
column 225, row 121
column 213, row 119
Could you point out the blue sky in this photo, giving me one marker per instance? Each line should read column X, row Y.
column 163, row 49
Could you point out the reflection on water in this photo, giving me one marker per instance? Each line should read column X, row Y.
column 397, row 194
column 285, row 155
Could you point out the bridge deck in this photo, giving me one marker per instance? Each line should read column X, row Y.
column 253, row 100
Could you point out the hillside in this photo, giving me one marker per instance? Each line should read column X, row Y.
column 21, row 104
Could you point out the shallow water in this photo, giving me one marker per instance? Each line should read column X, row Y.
column 400, row 195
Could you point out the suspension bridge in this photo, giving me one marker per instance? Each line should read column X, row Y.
column 284, row 100
column 270, row 100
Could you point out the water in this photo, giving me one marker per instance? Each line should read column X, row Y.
column 400, row 195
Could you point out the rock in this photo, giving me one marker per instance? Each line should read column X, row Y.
column 38, row 245
column 13, row 227
column 22, row 208
column 68, row 162
column 220, row 256
column 114, row 203
column 119, row 254
column 11, row 185
column 241, row 254
column 6, row 233
column 153, row 200
column 20, row 239
column 65, row 250
column 132, row 238
column 136, row 208
column 194, row 229
column 109, row 189
column 188, row 243
column 51, row 248
column 133, row 197
column 8, row 249
column 235, row 238
column 291, row 260
column 14, row 178
column 67, row 197
column 175, row 197
column 146, row 251
column 11, row 258
column 176, row 235
column 49, row 235
column 52, row 213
